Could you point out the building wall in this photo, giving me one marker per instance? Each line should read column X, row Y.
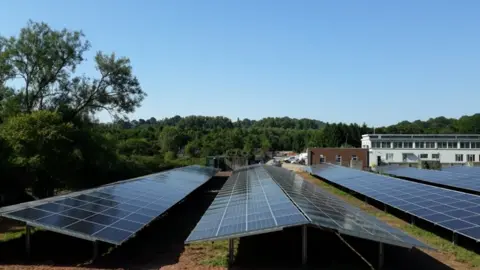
column 393, row 154
column 413, row 155
column 330, row 154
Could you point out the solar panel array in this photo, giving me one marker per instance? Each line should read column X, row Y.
column 259, row 199
column 458, row 180
column 250, row 202
column 463, row 169
column 453, row 210
column 326, row 210
column 112, row 213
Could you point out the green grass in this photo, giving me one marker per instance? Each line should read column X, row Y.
column 213, row 253
column 461, row 254
column 10, row 235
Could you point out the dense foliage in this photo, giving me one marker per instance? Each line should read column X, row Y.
column 49, row 139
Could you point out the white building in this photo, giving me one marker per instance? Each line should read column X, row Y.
column 404, row 148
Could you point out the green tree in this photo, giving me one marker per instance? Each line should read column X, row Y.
column 45, row 60
column 42, row 146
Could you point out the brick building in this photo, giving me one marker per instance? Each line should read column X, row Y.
column 349, row 157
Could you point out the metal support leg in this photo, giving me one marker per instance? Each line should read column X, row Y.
column 380, row 256
column 366, row 200
column 304, row 244
column 454, row 239
column 412, row 219
column 385, row 208
column 230, row 251
column 95, row 250
column 28, row 230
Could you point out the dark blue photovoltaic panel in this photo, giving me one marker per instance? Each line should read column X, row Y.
column 463, row 180
column 327, row 210
column 250, row 202
column 440, row 206
column 258, row 199
column 112, row 213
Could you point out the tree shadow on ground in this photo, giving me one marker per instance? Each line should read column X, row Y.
column 282, row 250
column 160, row 243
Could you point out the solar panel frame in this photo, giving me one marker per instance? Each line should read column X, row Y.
column 419, row 200
column 173, row 185
column 330, row 211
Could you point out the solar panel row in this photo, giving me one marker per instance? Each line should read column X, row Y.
column 463, row 169
column 458, row 180
column 115, row 212
column 279, row 198
column 455, row 211
column 326, row 210
column 249, row 202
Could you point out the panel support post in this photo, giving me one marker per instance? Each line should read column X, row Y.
column 28, row 231
column 454, row 239
column 366, row 199
column 412, row 218
column 95, row 250
column 385, row 208
column 380, row 256
column 231, row 248
column 304, row 245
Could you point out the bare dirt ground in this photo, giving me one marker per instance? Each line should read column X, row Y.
column 161, row 246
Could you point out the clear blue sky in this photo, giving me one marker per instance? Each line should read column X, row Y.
column 377, row 62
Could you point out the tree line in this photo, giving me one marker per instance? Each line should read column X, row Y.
column 50, row 139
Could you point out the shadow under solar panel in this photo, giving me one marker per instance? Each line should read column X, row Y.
column 456, row 211
column 115, row 212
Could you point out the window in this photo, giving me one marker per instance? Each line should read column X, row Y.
column 430, row 145
column 419, row 145
column 470, row 157
column 435, row 156
column 404, row 156
column 408, row 145
column 397, row 145
column 322, row 159
column 338, row 158
column 385, row 144
column 459, row 157
column 423, row 156
column 475, row 144
column 389, row 156
column 354, row 157
column 465, row 145
column 452, row 145
column 375, row 144
column 441, row 144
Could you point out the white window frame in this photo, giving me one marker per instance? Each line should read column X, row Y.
column 338, row 158
column 389, row 156
column 470, row 157
column 437, row 154
column 423, row 156
column 354, row 157
column 459, row 157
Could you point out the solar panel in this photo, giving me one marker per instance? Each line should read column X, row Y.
column 250, row 202
column 115, row 212
column 456, row 211
column 463, row 169
column 449, row 179
column 326, row 210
